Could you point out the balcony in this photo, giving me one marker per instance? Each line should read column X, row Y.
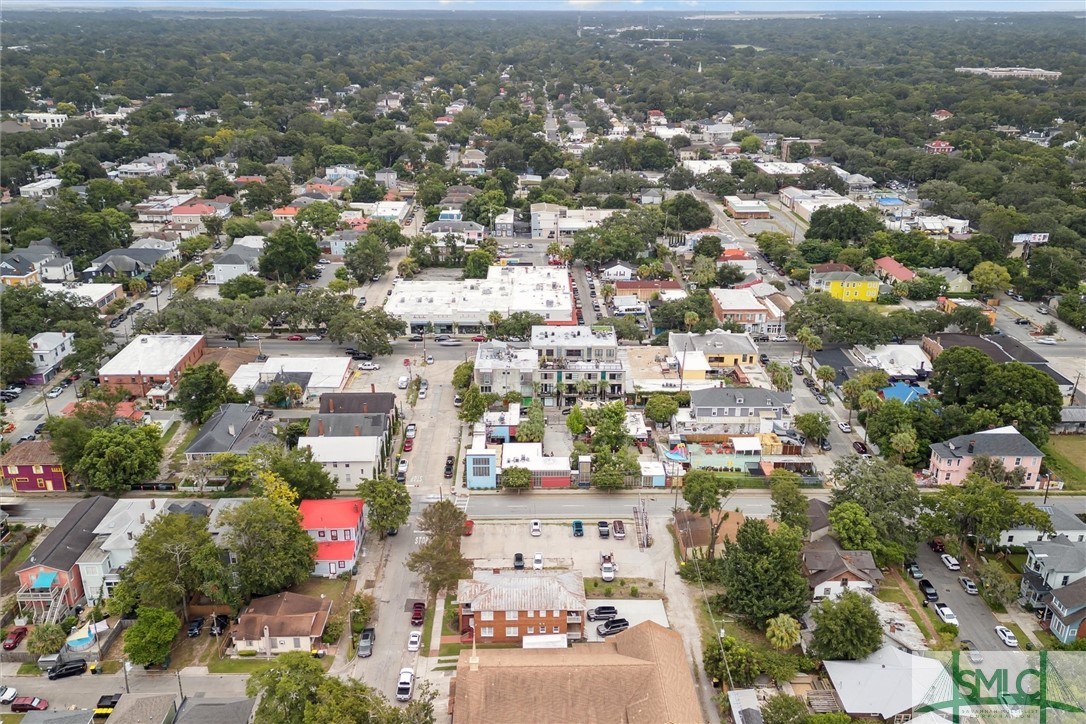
column 572, row 618
column 28, row 594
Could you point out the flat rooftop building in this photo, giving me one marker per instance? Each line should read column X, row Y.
column 152, row 360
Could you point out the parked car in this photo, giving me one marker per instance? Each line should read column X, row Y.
column 822, row 399
column 612, row 627
column 365, row 643
column 763, row 358
column 968, row 586
column 619, row 529
column 7, row 694
column 929, row 591
column 537, row 562
column 950, row 562
column 937, row 545
column 55, row 393
column 414, row 641
column 824, row 444
column 405, row 685
column 914, row 571
column 578, row 529
column 798, row 369
column 844, row 427
column 479, row 338
column 518, row 561
column 429, row 359
column 401, row 467
column 457, row 401
column 369, row 366
column 1022, row 320
column 604, row 529
column 15, row 635
column 362, row 355
column 412, row 429
column 945, row 614
column 295, row 338
column 975, row 657
column 219, row 624
column 29, row 703
column 536, row 528
column 602, row 613
column 194, row 627
column 75, row 667
column 859, row 447
column 449, row 463
column 1007, row 636
column 408, row 445
column 418, row 613
column 469, row 527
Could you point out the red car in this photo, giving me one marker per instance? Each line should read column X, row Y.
column 15, row 635
column 295, row 338
column 418, row 614
column 479, row 338
column 408, row 444
column 29, row 703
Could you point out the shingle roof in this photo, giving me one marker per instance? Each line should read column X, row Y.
column 1059, row 554
column 730, row 396
column 825, row 561
column 73, row 534
column 895, row 268
column 818, row 514
column 347, row 424
column 1000, row 442
column 523, row 591
column 1072, row 597
column 143, row 708
column 339, row 402
column 225, row 430
column 31, row 452
column 285, row 614
column 640, row 676
column 215, row 711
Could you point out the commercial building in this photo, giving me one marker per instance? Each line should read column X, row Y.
column 159, row 209
column 465, row 306
column 99, row 296
column 575, row 361
column 315, row 375
column 804, row 202
column 741, row 307
column 547, row 472
column 505, row 607
column 502, row 369
column 722, row 350
column 552, row 221
column 152, row 360
column 746, row 208
column 1013, row 72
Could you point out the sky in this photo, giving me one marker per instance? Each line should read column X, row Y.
column 686, row 7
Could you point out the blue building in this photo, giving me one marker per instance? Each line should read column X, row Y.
column 480, row 464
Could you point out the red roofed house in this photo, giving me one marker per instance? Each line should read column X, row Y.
column 942, row 115
column 284, row 213
column 123, row 411
column 830, row 266
column 938, row 146
column 657, row 118
column 337, row 526
column 33, row 467
column 737, row 257
column 190, row 213
column 643, row 289
column 891, row 269
column 242, row 180
column 442, row 121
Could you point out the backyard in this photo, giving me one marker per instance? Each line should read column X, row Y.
column 1061, row 453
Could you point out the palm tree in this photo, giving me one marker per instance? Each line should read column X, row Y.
column 690, row 319
column 903, row 442
column 825, row 374
column 814, row 344
column 782, row 632
column 851, row 391
column 608, row 292
column 803, row 336
column 495, row 318
column 780, row 376
column 869, row 402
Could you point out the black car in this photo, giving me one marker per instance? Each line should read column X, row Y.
column 350, row 350
column 442, row 337
column 798, row 369
column 360, row 355
column 602, row 613
column 612, row 627
column 929, row 591
column 75, row 667
column 809, row 382
column 40, row 427
column 137, row 306
column 859, row 447
column 415, row 338
column 763, row 358
column 194, row 627
column 825, row 444
column 518, row 561
column 449, row 463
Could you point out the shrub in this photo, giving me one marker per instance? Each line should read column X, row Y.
column 333, row 629
column 607, row 591
column 68, row 624
column 247, row 653
column 634, row 592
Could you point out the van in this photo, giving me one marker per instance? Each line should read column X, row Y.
column 619, row 529
column 402, row 383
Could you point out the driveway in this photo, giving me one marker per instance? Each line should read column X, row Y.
column 975, row 620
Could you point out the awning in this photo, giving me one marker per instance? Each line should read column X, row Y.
column 44, row 579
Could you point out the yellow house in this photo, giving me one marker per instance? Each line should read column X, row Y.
column 847, row 286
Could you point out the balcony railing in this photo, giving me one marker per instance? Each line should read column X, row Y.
column 573, row 618
column 40, row 595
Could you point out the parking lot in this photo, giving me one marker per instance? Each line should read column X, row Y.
column 975, row 619
column 632, row 609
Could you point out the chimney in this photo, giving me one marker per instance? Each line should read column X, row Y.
column 357, row 431
column 972, row 444
column 331, row 404
column 129, row 535
column 373, row 388
column 230, row 429
column 320, row 427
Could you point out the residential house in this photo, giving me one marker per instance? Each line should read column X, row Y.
column 167, row 242
column 1065, row 612
column 818, row 519
column 19, row 269
column 1051, row 565
column 152, row 361
column 351, row 447
column 693, row 531
column 948, row 305
column 337, row 244
column 39, row 262
column 640, row 676
column 50, row 583
column 506, row 607
column 830, row 266
column 387, row 177
column 346, row 172
column 234, row 262
column 216, row 710
column 159, row 209
column 846, row 286
column 465, row 232
column 337, row 526
column 360, row 402
column 195, row 211
column 722, row 350
column 575, row 358
column 617, row 271
column 33, row 467
column 473, row 162
column 1072, row 421
column 145, row 709
column 942, row 114
column 952, row 459
column 651, row 196
column 272, row 625
column 741, row 307
column 956, row 281
column 49, row 350
column 284, row 213
column 99, row 296
column 1064, row 523
column 938, row 147
column 124, row 263
column 44, row 189
column 736, row 411
column 647, row 290
column 832, row 571
column 331, row 187
column 233, row 428
column 890, row 270
column 114, row 544
column 889, row 684
column 738, row 257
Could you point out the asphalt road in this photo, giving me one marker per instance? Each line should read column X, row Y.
column 975, row 619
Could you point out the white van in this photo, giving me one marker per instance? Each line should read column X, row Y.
column 404, row 380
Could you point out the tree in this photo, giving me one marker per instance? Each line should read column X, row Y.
column 46, row 639
column 853, row 528
column 709, row 246
column 782, row 631
column 825, row 374
column 117, row 457
column 320, row 216
column 16, row 358
column 971, row 320
column 979, row 507
column 288, row 252
column 996, row 585
column 703, row 271
column 201, row 390
column 706, row 493
column 439, row 561
column 148, row 640
column 789, row 504
column 273, row 551
column 463, row 375
column 388, row 504
column 842, row 223
column 352, row 701
column 814, row 425
column 780, row 375
column 516, row 478
column 532, row 428
column 297, row 467
column 1024, row 396
column 782, row 708
column 687, row 212
column 366, row 258
column 886, row 492
column 661, row 408
column 575, row 421
column 473, row 405
column 761, row 574
column 990, row 278
column 286, row 687
column 372, row 329
column 959, row 374
column 903, row 442
column 851, row 391
column 244, row 285
column 847, row 628
column 239, row 226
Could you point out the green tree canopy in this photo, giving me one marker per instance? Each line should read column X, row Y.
column 273, row 551
column 388, row 504
column 761, row 572
column 117, row 457
column 847, row 628
column 149, row 639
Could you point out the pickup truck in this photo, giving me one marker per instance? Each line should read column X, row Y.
column 608, row 567
column 945, row 614
column 106, row 704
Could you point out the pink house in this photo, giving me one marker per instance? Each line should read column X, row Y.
column 337, row 526
column 889, row 268
column 951, row 460
column 938, row 146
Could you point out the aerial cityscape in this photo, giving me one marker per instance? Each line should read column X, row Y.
column 662, row 362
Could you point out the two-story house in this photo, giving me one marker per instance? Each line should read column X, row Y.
column 506, row 607
column 952, row 459
column 114, row 544
column 337, row 526
column 33, row 467
column 235, row 262
column 351, row 447
column 50, row 583
column 891, row 270
column 618, row 271
column 1050, row 565
column 1065, row 613
column 831, row 570
column 736, row 411
column 49, row 350
column 574, row 361
column 723, row 350
column 847, row 286
column 1064, row 523
column 741, row 307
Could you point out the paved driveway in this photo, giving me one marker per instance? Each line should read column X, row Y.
column 975, row 619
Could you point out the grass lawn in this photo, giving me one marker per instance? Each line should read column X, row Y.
column 893, row 594
column 621, row 588
column 177, row 461
column 8, row 718
column 170, row 431
column 428, row 627
column 1015, row 562
column 455, row 649
column 1048, row 641
column 249, row 665
column 1019, row 633
column 330, row 587
column 1061, row 452
column 28, row 668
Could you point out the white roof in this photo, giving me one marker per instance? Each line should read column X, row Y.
column 92, row 293
column 340, row 449
column 530, row 455
column 746, row 204
column 44, row 341
column 127, row 520
column 151, row 354
column 510, row 417
column 327, row 373
column 579, row 336
column 43, row 185
column 701, row 167
column 747, row 443
column 253, row 242
column 735, row 299
column 888, row 682
column 780, row 168
column 651, row 468
column 898, row 360
column 635, row 423
column 497, row 355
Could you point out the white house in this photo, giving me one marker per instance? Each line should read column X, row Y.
column 44, row 189
column 618, row 271
column 1064, row 523
column 349, row 460
column 49, row 350
column 237, row 261
column 115, row 544
column 339, row 242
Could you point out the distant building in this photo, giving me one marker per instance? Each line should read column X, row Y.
column 938, row 147
column 1013, row 72
column 33, row 467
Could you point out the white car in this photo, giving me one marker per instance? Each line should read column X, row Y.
column 780, row 338
column 1046, row 340
column 422, row 393
column 313, row 338
column 412, row 428
column 429, row 359
column 414, row 641
column 950, row 562
column 7, row 694
column 405, row 685
column 1007, row 636
column 369, row 366
column 252, row 337
column 945, row 614
column 844, row 427
column 536, row 528
column 54, row 393
column 537, row 562
column 323, row 262
column 402, row 467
